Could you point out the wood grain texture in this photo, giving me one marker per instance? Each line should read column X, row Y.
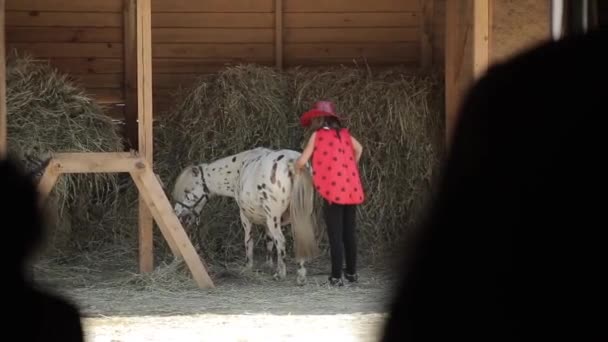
column 65, row 5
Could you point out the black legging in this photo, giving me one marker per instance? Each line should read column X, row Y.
column 340, row 221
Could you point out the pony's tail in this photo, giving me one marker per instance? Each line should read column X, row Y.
column 301, row 208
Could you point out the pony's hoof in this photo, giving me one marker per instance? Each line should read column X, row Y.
column 301, row 280
column 278, row 277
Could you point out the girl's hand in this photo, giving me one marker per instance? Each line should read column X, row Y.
column 300, row 163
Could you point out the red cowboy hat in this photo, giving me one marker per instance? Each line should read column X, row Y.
column 320, row 108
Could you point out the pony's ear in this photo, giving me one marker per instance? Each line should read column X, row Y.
column 194, row 170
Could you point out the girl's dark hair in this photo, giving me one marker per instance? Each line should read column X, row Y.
column 330, row 122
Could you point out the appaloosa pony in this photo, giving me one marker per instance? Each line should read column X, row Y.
column 267, row 190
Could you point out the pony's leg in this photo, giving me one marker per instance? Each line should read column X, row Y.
column 301, row 279
column 273, row 223
column 248, row 241
column 269, row 249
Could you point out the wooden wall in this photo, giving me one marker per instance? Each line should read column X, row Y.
column 82, row 38
column 193, row 37
column 518, row 25
column 190, row 37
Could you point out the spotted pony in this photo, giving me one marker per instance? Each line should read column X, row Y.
column 267, row 190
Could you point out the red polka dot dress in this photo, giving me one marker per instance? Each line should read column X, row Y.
column 335, row 171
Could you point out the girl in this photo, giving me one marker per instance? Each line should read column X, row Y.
column 335, row 157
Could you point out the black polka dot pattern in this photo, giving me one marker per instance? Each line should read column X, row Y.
column 336, row 174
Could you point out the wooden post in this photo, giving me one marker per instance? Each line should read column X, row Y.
column 130, row 71
column 467, row 53
column 144, row 109
column 426, row 33
column 278, row 33
column 481, row 37
column 3, row 114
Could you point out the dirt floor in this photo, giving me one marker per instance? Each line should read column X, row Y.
column 121, row 305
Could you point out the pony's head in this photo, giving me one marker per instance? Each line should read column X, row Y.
column 190, row 193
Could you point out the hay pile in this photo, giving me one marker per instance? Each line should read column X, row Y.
column 396, row 114
column 47, row 113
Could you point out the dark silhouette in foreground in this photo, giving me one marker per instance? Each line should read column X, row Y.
column 513, row 247
column 34, row 314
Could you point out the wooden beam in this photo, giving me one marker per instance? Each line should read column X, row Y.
column 144, row 109
column 278, row 33
column 130, row 74
column 94, row 162
column 147, row 200
column 3, row 114
column 467, row 53
column 170, row 226
column 481, row 37
column 426, row 33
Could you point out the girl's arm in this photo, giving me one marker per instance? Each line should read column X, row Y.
column 357, row 147
column 306, row 153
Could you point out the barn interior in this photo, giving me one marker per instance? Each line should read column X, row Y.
column 189, row 81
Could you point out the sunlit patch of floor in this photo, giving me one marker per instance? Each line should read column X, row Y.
column 250, row 328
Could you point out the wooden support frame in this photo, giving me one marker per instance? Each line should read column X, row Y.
column 154, row 204
column 149, row 188
column 467, row 52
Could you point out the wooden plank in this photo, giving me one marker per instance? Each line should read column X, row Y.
column 212, row 35
column 97, row 50
column 89, row 65
column 130, row 75
column 278, row 34
column 439, row 33
column 481, row 34
column 114, row 112
column 377, row 61
column 112, row 81
column 229, row 52
column 171, row 227
column 350, row 35
column 145, row 116
column 453, row 61
column 352, row 6
column 464, row 49
column 145, row 249
column 3, row 109
column 106, row 95
column 375, row 20
column 65, row 5
column 173, row 81
column 64, row 34
column 426, row 33
column 517, row 26
column 220, row 6
column 62, row 19
column 213, row 20
column 93, row 162
column 400, row 50
column 187, row 66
